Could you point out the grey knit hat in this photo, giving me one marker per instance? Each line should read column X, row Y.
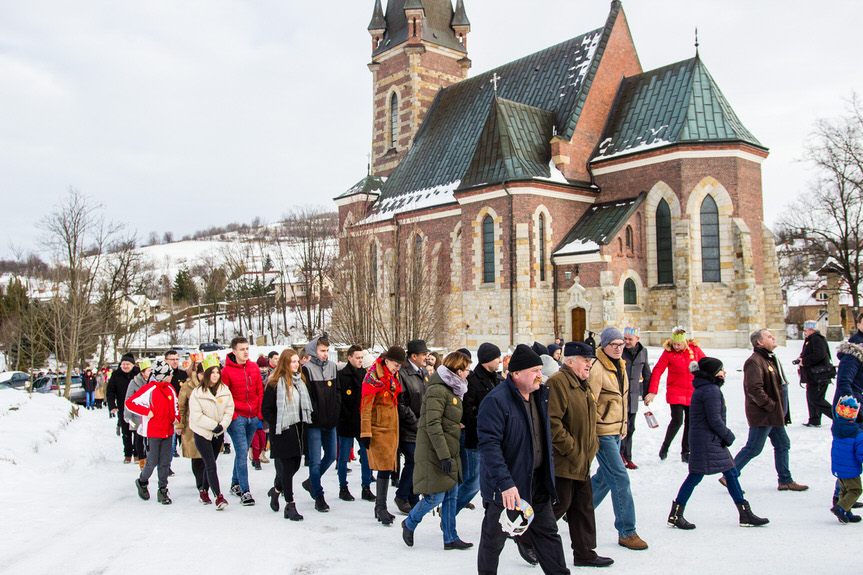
column 608, row 335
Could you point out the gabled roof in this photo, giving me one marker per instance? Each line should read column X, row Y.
column 670, row 105
column 599, row 224
column 369, row 184
column 513, row 145
column 447, row 142
column 437, row 27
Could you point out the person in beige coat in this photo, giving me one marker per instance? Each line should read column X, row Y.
column 211, row 410
column 610, row 386
column 195, row 375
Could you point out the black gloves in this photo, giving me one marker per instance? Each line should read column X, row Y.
column 366, row 442
column 446, row 466
column 219, row 429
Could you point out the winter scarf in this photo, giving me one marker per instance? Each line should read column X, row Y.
column 379, row 380
column 453, row 381
column 292, row 412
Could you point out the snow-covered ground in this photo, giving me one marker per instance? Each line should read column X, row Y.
column 69, row 506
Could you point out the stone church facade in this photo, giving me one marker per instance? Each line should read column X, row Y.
column 563, row 192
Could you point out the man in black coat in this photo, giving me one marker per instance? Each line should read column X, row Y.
column 638, row 371
column 480, row 381
column 816, row 373
column 351, row 389
column 115, row 393
column 517, row 463
column 414, row 378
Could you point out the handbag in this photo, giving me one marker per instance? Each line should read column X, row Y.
column 823, row 372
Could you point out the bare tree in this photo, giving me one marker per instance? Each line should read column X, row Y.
column 77, row 235
column 121, row 267
column 829, row 216
column 355, row 292
column 315, row 230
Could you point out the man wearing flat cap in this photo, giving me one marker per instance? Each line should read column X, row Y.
column 517, row 463
column 414, row 378
column 572, row 411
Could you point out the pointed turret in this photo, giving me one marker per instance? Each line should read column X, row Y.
column 378, row 25
column 415, row 13
column 460, row 24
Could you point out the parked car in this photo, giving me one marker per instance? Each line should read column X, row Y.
column 210, row 346
column 16, row 379
column 55, row 384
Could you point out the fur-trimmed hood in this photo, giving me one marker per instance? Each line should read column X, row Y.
column 689, row 342
column 853, row 349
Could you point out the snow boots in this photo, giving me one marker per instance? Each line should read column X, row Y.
column 345, row 494
column 676, row 519
column 143, row 492
column 163, row 497
column 749, row 519
column 291, row 512
column 367, row 494
column 845, row 516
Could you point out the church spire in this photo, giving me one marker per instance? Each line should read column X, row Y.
column 378, row 25
column 459, row 18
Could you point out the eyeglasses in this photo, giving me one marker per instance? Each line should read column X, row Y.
column 616, row 345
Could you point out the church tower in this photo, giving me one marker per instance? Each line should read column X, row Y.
column 418, row 47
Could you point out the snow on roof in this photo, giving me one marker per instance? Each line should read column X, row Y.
column 576, row 247
column 416, row 200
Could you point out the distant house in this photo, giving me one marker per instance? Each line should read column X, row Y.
column 137, row 308
column 823, row 297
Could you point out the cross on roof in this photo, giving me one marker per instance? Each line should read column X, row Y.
column 494, row 80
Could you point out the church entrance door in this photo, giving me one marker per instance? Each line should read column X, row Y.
column 579, row 323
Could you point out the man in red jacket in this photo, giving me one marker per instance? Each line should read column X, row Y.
column 243, row 378
column 156, row 403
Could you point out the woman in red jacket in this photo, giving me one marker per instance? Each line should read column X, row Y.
column 156, row 403
column 679, row 353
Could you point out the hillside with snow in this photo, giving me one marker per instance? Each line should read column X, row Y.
column 70, row 507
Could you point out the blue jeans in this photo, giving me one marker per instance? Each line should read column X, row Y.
column 406, row 483
column 755, row 443
column 90, row 395
column 693, row 479
column 325, row 439
column 612, row 477
column 345, row 445
column 447, row 501
column 470, row 475
column 242, row 430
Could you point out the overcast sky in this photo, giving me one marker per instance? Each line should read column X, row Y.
column 180, row 115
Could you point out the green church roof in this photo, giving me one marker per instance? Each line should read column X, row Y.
column 679, row 103
column 599, row 224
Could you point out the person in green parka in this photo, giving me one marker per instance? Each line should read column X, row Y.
column 438, row 466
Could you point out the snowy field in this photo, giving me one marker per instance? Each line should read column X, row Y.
column 69, row 506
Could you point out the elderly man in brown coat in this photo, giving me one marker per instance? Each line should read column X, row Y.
column 766, row 404
column 572, row 412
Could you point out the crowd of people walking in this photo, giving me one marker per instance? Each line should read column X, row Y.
column 524, row 434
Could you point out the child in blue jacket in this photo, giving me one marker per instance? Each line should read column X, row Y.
column 847, row 458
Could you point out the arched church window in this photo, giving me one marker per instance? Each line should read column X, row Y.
column 373, row 261
column 629, row 239
column 664, row 260
column 394, row 120
column 418, row 255
column 541, row 247
column 487, row 250
column 710, row 270
column 630, row 293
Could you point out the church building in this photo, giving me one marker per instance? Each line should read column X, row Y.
column 561, row 193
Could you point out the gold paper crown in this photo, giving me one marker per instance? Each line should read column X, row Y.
column 144, row 363
column 211, row 360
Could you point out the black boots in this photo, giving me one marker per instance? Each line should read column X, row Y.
column 163, row 497
column 381, row 512
column 749, row 519
column 684, row 457
column 663, row 452
column 321, row 504
column 676, row 519
column 291, row 512
column 274, row 499
column 345, row 495
column 143, row 492
column 367, row 494
column 407, row 534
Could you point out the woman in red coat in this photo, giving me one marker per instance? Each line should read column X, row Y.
column 679, row 353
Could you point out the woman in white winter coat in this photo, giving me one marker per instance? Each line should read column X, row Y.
column 211, row 409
